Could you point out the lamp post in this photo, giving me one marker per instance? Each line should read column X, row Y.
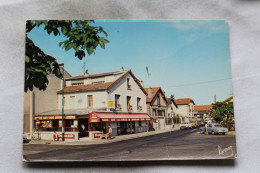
column 62, row 108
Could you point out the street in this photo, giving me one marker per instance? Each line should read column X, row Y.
column 177, row 145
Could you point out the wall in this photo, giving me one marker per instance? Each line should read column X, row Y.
column 121, row 89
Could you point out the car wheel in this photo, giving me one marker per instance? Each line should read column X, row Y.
column 223, row 133
column 213, row 133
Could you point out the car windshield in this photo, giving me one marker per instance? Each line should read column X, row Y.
column 218, row 125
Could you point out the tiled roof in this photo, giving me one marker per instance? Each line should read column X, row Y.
column 93, row 75
column 107, row 85
column 154, row 91
column 228, row 99
column 202, row 107
column 79, row 88
column 184, row 101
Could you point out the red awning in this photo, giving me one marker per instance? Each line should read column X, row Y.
column 109, row 116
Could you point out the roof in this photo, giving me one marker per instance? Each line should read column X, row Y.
column 154, row 92
column 228, row 99
column 107, row 85
column 94, row 75
column 80, row 88
column 202, row 107
column 169, row 101
column 184, row 101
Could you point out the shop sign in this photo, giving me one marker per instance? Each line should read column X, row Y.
column 104, row 119
column 70, row 117
column 67, row 136
column 60, row 123
column 37, row 118
column 57, row 117
column 97, row 135
column 111, row 104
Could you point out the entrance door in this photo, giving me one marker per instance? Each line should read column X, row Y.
column 83, row 127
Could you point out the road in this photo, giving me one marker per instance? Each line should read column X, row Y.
column 178, row 145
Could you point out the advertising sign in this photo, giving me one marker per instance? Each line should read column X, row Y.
column 111, row 104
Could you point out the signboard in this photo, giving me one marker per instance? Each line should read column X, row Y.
column 123, row 119
column 111, row 104
column 67, row 136
column 97, row 135
column 54, row 117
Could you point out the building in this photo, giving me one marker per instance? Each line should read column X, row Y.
column 91, row 102
column 157, row 104
column 37, row 101
column 202, row 112
column 185, row 109
column 171, row 111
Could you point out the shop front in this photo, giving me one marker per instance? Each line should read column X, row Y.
column 121, row 123
column 46, row 126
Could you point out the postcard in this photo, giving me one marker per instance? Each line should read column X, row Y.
column 127, row 90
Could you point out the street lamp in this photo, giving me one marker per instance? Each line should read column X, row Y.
column 62, row 108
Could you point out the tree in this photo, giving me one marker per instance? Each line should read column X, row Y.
column 80, row 36
column 221, row 111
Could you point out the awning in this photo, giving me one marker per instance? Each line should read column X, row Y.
column 108, row 117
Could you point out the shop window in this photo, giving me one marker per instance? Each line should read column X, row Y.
column 140, row 123
column 90, row 100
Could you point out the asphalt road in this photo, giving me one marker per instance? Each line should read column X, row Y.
column 178, row 145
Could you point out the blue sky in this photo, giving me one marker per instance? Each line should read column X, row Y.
column 186, row 58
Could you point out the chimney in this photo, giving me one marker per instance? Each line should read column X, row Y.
column 142, row 83
column 122, row 68
column 150, row 92
column 86, row 73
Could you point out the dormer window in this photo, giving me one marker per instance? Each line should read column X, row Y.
column 128, row 83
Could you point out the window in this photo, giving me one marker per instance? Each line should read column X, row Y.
column 154, row 112
column 128, row 99
column 90, row 100
column 139, row 107
column 158, row 98
column 117, row 97
column 140, row 123
column 77, row 82
column 128, row 83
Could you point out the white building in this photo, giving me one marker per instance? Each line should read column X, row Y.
column 95, row 101
column 171, row 109
column 185, row 109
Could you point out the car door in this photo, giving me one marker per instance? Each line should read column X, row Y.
column 209, row 128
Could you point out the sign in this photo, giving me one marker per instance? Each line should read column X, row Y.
column 67, row 136
column 54, row 117
column 60, row 123
column 97, row 135
column 111, row 104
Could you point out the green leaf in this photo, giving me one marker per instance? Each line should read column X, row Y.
column 90, row 50
column 27, row 59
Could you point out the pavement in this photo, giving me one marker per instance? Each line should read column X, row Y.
column 88, row 141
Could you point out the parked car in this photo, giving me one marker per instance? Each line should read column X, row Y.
column 214, row 128
column 185, row 125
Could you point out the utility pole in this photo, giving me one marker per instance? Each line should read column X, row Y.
column 62, row 109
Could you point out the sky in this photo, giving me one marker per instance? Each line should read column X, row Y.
column 189, row 59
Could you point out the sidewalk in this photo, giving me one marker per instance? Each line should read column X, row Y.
column 88, row 141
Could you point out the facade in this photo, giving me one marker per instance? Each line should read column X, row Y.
column 157, row 104
column 202, row 112
column 171, row 111
column 185, row 109
column 91, row 102
column 37, row 101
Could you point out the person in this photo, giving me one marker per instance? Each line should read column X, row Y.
column 110, row 132
column 172, row 128
column 82, row 129
column 206, row 128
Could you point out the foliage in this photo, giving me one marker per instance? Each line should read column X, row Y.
column 221, row 110
column 80, row 37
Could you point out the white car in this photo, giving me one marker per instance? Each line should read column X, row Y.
column 185, row 125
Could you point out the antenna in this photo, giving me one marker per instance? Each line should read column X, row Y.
column 84, row 67
column 147, row 71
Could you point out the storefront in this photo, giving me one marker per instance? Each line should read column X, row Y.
column 121, row 123
column 46, row 126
